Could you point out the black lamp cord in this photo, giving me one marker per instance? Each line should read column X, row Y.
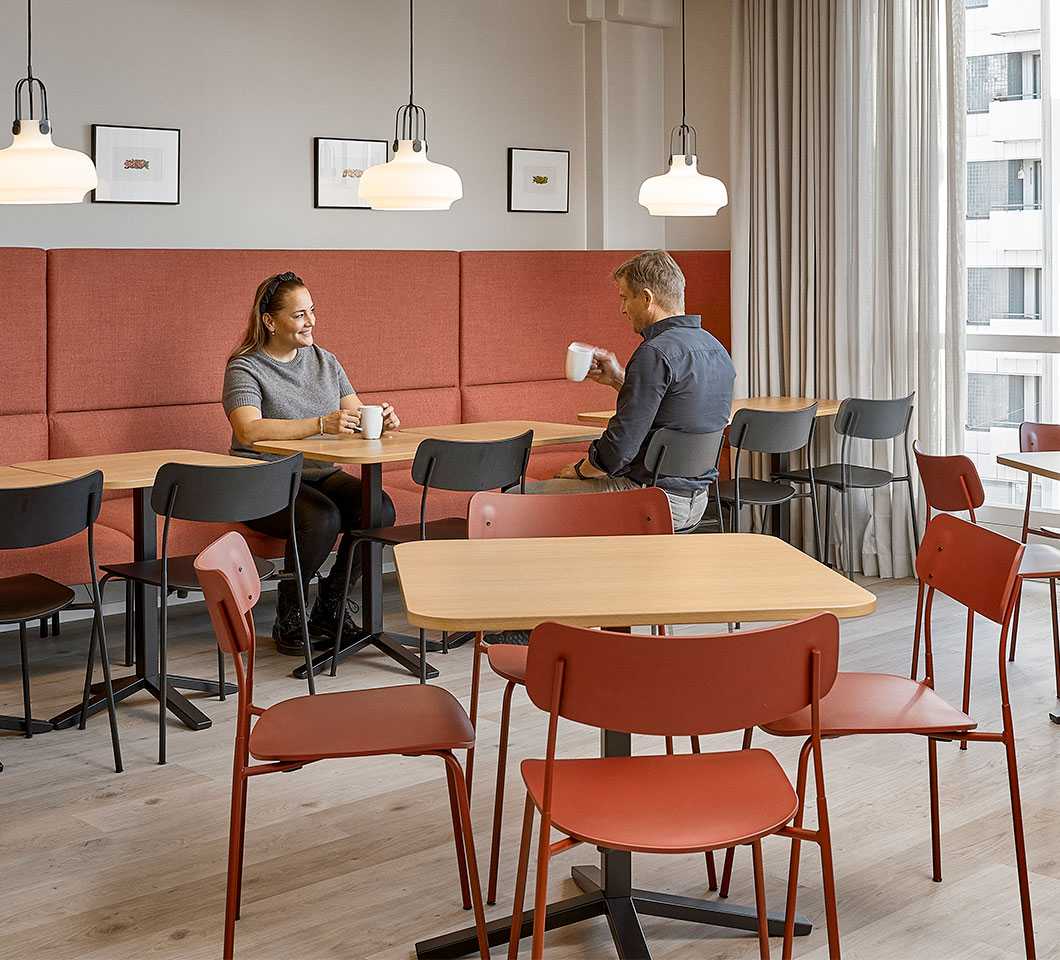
column 410, row 123
column 29, row 52
column 687, row 133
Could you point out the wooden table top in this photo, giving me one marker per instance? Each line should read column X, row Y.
column 1043, row 464
column 825, row 408
column 15, row 478
column 131, row 471
column 545, row 433
column 397, row 445
column 619, row 581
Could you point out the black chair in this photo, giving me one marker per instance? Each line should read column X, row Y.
column 32, row 517
column 862, row 419
column 671, row 453
column 462, row 465
column 211, row 495
column 772, row 432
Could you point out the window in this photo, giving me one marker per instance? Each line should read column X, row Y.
column 1013, row 346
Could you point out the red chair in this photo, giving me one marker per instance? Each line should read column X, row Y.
column 1039, row 437
column 656, row 804
column 494, row 515
column 952, row 484
column 980, row 570
column 407, row 720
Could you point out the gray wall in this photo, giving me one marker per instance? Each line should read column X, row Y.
column 251, row 82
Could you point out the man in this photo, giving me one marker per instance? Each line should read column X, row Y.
column 680, row 377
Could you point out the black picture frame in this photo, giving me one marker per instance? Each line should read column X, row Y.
column 96, row 127
column 317, row 205
column 512, row 151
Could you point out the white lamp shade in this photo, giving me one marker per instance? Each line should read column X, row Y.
column 35, row 170
column 409, row 181
column 683, row 192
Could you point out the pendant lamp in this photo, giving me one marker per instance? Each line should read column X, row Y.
column 683, row 191
column 409, row 181
column 33, row 169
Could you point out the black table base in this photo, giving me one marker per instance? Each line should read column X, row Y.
column 179, row 705
column 392, row 644
column 623, row 917
column 19, row 724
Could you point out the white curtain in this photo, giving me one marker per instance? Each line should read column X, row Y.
column 848, row 220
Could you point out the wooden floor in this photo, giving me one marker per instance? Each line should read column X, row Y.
column 355, row 859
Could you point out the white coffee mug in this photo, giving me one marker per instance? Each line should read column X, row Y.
column 579, row 360
column 371, row 422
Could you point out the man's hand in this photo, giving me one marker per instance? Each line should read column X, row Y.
column 606, row 369
column 588, row 471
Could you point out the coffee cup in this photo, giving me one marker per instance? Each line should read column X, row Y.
column 579, row 360
column 371, row 422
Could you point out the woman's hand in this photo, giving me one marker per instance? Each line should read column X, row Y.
column 342, row 421
column 390, row 418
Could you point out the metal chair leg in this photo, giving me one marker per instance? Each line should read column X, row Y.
column 104, row 657
column 24, row 662
column 220, row 674
column 498, row 795
column 936, row 833
column 354, row 546
column 816, row 523
column 130, row 601
column 1015, row 621
column 44, row 628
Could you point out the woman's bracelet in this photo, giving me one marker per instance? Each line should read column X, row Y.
column 320, row 422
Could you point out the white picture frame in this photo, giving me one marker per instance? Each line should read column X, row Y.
column 136, row 164
column 538, row 180
column 338, row 165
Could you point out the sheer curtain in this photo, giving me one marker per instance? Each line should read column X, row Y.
column 848, row 213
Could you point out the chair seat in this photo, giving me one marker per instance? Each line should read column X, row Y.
column 756, row 491
column 29, row 596
column 410, row 719
column 876, row 703
column 450, row 528
column 509, row 661
column 1040, row 560
column 832, row 476
column 667, row 804
column 181, row 572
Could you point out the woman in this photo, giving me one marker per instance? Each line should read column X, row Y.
column 279, row 385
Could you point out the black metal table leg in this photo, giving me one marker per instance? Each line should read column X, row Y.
column 608, row 891
column 145, row 630
column 371, row 591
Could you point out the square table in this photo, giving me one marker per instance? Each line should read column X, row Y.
column 396, row 446
column 136, row 472
column 1044, row 464
column 517, row 584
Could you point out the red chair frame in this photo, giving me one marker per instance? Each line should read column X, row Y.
column 232, row 588
column 704, row 685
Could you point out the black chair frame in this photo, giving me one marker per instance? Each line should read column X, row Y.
column 463, row 465
column 35, row 516
column 672, row 453
column 212, row 494
column 776, row 425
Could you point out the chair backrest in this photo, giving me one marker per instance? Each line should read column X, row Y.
column 681, row 685
column 472, row 465
column 231, row 587
column 970, row 564
column 671, row 453
column 950, row 482
column 33, row 516
column 622, row 513
column 772, row 431
column 226, row 494
column 1039, row 437
column 874, row 419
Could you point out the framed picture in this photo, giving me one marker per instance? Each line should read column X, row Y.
column 136, row 164
column 339, row 165
column 538, row 180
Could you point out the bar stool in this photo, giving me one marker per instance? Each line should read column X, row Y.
column 212, row 495
column 771, row 432
column 33, row 517
column 460, row 465
column 862, row 419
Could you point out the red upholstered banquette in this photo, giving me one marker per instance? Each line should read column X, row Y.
column 125, row 350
